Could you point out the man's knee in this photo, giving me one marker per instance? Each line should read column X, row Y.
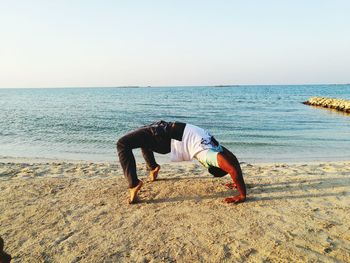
column 121, row 144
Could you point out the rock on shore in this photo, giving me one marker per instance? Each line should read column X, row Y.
column 337, row 104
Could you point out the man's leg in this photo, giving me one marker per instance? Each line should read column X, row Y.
column 137, row 139
column 149, row 158
column 141, row 138
column 160, row 143
column 151, row 163
column 127, row 160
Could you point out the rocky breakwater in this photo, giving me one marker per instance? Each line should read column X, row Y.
column 336, row 104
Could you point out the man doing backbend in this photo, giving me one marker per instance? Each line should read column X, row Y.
column 184, row 142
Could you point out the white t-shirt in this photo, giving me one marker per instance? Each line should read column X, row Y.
column 194, row 140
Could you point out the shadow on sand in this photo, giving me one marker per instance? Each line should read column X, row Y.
column 324, row 187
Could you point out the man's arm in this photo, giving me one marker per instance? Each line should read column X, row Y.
column 229, row 163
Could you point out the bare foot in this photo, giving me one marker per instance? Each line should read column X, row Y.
column 154, row 174
column 133, row 192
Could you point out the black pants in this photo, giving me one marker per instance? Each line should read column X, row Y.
column 152, row 138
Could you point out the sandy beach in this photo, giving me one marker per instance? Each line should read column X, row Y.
column 77, row 212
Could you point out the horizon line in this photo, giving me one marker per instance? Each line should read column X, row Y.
column 175, row 86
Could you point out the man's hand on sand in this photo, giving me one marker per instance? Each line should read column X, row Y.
column 231, row 185
column 133, row 192
column 154, row 174
column 234, row 199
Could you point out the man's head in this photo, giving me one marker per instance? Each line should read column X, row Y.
column 216, row 171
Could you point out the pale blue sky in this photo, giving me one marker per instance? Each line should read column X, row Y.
column 114, row 43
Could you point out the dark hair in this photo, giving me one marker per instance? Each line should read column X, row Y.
column 216, row 171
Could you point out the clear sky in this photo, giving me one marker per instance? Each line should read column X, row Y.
column 67, row 43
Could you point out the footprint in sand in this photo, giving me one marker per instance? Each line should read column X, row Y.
column 26, row 172
column 330, row 247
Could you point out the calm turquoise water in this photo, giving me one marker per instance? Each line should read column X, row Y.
column 258, row 123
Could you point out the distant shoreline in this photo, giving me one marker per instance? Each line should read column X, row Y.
column 179, row 86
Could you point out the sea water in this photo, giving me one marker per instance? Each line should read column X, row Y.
column 257, row 123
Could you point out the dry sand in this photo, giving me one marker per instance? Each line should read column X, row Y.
column 77, row 212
